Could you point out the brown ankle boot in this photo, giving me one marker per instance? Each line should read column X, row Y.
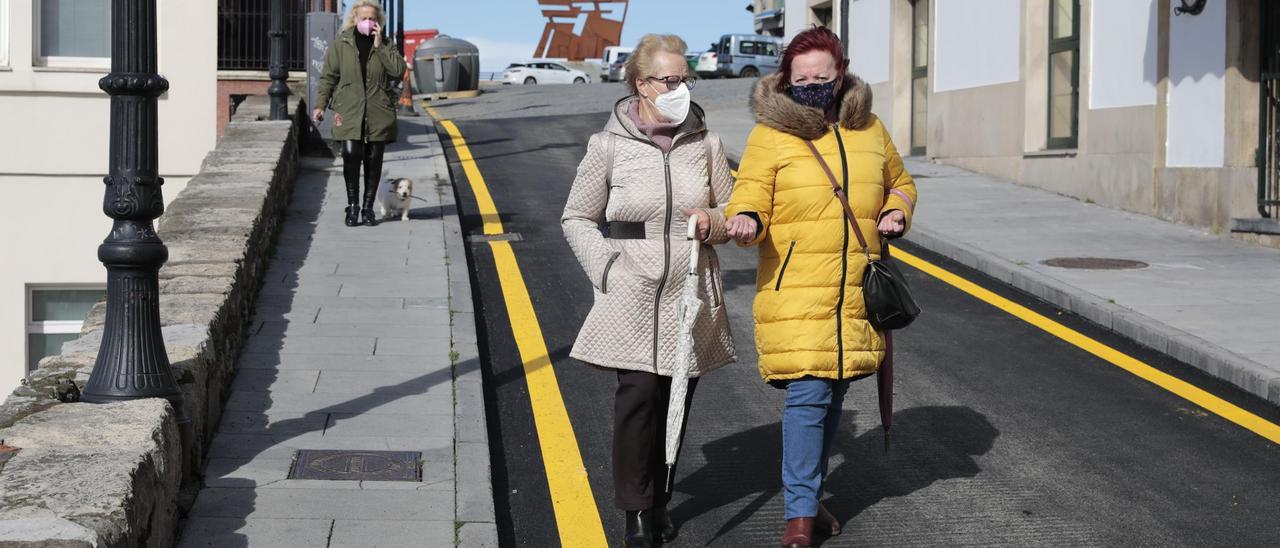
column 825, row 523
column 799, row 533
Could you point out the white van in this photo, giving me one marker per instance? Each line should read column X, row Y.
column 611, row 57
column 741, row 55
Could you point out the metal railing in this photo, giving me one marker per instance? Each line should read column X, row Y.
column 243, row 43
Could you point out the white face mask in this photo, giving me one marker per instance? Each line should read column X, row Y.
column 673, row 105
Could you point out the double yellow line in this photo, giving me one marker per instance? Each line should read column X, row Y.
column 577, row 518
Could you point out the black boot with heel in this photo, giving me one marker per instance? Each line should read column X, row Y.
column 639, row 531
column 366, row 210
column 664, row 530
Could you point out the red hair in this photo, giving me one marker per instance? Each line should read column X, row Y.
column 814, row 39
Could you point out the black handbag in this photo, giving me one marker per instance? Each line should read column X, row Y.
column 884, row 289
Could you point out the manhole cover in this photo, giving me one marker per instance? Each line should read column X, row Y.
column 1095, row 263
column 357, row 465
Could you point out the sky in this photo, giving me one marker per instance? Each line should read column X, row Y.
column 508, row 30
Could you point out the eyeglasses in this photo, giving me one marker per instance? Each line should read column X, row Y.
column 674, row 82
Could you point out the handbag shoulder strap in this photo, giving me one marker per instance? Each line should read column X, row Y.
column 608, row 158
column 711, row 184
column 835, row 185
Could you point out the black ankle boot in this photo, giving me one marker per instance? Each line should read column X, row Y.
column 366, row 210
column 353, row 215
column 664, row 530
column 639, row 529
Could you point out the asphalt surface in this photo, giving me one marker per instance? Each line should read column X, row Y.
column 1003, row 434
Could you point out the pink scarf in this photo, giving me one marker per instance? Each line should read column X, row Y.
column 662, row 133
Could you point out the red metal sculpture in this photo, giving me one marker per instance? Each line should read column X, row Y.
column 598, row 32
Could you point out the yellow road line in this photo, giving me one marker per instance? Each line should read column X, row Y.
column 484, row 201
column 1179, row 387
column 431, row 111
column 577, row 518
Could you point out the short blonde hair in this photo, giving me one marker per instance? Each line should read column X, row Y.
column 640, row 63
column 351, row 15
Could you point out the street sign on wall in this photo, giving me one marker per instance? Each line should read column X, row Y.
column 322, row 29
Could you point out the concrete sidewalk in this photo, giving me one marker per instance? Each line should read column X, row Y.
column 363, row 340
column 1210, row 301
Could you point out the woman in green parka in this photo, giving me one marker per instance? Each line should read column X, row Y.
column 356, row 84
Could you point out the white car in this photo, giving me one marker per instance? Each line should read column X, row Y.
column 543, row 72
column 706, row 65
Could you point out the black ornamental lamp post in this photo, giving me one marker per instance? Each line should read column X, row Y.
column 279, row 89
column 400, row 25
column 131, row 362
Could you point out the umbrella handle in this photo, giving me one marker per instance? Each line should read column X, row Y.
column 692, row 232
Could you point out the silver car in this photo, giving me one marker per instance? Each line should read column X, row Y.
column 618, row 70
column 741, row 55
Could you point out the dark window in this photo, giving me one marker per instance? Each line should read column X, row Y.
column 1064, row 73
column 80, row 28
column 919, row 76
column 243, row 43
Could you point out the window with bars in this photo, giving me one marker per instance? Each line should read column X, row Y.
column 243, row 43
column 1064, row 73
column 919, row 76
column 55, row 316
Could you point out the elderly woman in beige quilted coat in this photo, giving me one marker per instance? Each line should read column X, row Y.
column 654, row 169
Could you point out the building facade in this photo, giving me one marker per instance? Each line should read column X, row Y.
column 55, row 150
column 1119, row 102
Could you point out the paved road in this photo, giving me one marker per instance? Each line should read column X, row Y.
column 1003, row 433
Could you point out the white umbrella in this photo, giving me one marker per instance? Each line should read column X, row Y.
column 687, row 313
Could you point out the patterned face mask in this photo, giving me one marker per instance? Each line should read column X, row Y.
column 819, row 96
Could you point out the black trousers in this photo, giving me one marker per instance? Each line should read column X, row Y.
column 354, row 154
column 639, row 439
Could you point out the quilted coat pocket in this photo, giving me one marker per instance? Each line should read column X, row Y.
column 778, row 286
column 604, row 278
column 715, row 279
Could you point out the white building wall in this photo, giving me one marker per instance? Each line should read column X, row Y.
column 1197, row 88
column 795, row 18
column 976, row 43
column 869, row 28
column 55, row 147
column 1123, row 53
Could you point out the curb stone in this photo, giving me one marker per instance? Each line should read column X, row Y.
column 475, row 517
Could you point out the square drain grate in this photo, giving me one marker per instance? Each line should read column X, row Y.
column 504, row 237
column 317, row 464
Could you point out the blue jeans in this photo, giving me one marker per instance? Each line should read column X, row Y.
column 809, row 423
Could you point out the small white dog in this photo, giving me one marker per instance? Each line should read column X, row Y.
column 393, row 197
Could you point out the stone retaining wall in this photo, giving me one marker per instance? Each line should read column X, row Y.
column 117, row 474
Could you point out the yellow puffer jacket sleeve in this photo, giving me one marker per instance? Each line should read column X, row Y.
column 899, row 186
column 753, row 191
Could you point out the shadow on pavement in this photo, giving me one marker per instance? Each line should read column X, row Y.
column 929, row 444
column 236, row 499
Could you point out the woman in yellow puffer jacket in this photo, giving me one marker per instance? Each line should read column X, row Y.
column 811, row 328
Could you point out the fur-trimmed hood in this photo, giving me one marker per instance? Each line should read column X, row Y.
column 775, row 109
